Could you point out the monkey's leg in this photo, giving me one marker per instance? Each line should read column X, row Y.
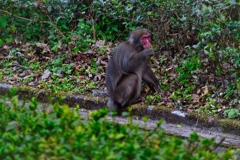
column 113, row 105
column 128, row 90
column 150, row 78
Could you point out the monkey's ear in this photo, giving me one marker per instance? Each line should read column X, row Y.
column 131, row 38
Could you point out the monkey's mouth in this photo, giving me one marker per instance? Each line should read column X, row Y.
column 147, row 45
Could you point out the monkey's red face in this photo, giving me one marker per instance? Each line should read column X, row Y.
column 146, row 40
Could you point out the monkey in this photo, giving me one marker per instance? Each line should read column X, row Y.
column 127, row 68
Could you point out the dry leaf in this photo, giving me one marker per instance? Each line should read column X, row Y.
column 206, row 90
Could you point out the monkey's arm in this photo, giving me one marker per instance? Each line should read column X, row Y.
column 135, row 62
column 150, row 78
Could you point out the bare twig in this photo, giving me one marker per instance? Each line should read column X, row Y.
column 93, row 30
column 27, row 19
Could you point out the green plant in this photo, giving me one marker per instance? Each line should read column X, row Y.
column 91, row 85
column 81, row 36
column 35, row 66
column 230, row 90
column 102, row 50
column 56, row 65
column 232, row 113
column 187, row 68
column 58, row 132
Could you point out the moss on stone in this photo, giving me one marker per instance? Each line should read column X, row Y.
column 229, row 124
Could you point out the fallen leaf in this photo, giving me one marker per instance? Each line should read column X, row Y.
column 165, row 82
column 46, row 74
column 206, row 90
column 16, row 76
column 99, row 44
column 198, row 91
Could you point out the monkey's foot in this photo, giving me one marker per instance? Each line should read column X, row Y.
column 140, row 99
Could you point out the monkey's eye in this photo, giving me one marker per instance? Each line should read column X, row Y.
column 146, row 39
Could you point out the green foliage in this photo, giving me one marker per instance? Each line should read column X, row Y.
column 52, row 20
column 153, row 99
column 57, row 66
column 201, row 37
column 58, row 132
column 188, row 67
column 232, row 113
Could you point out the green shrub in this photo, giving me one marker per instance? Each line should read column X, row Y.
column 39, row 132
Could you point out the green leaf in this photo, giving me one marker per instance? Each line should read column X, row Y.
column 222, row 18
column 3, row 23
column 28, row 36
column 9, row 40
column 1, row 42
column 12, row 125
column 232, row 113
column 119, row 136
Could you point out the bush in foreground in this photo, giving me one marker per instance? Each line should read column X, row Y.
column 30, row 131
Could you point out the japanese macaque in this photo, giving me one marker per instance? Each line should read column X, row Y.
column 127, row 68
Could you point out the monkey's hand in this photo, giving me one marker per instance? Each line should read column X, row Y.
column 140, row 99
column 150, row 52
column 158, row 90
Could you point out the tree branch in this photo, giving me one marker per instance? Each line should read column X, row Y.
column 27, row 19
